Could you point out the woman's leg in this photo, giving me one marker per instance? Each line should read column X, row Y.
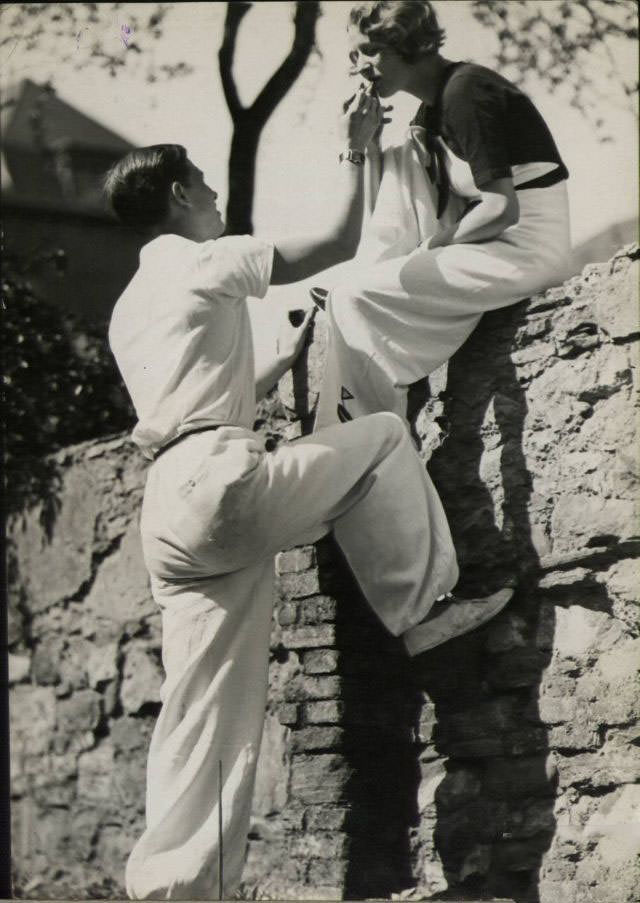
column 397, row 321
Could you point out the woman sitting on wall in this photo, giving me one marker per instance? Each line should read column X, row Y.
column 470, row 215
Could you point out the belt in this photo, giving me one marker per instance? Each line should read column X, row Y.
column 181, row 436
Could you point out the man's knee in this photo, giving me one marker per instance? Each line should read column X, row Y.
column 390, row 426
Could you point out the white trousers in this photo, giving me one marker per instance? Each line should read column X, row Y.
column 393, row 322
column 217, row 507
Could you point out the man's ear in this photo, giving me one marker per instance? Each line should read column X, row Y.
column 179, row 195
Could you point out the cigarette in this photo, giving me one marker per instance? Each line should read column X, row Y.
column 370, row 89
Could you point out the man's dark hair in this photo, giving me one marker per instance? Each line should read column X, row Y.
column 137, row 187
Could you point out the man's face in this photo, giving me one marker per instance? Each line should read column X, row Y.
column 378, row 64
column 206, row 218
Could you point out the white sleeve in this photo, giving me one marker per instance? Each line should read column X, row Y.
column 238, row 265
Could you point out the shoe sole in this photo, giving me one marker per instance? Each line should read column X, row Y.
column 428, row 635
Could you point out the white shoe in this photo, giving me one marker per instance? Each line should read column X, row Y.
column 452, row 618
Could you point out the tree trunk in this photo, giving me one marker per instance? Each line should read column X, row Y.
column 242, row 171
column 248, row 122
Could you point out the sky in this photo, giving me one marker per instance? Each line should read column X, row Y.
column 298, row 149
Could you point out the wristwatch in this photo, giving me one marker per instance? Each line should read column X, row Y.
column 353, row 156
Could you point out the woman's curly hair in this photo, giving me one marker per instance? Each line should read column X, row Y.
column 410, row 27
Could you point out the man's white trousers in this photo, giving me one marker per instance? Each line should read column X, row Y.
column 217, row 508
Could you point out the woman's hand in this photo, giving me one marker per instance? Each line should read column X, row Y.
column 361, row 118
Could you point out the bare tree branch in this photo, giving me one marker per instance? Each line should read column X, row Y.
column 307, row 12
column 236, row 11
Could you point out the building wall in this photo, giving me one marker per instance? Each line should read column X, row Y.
column 101, row 256
column 504, row 762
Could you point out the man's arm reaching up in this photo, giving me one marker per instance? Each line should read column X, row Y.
column 296, row 258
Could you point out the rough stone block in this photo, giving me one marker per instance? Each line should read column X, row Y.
column 518, row 855
column 46, row 661
column 325, row 819
column 579, row 521
column 318, row 610
column 580, row 633
column 320, row 661
column 328, row 872
column 142, row 677
column 509, row 632
column 486, row 719
column 529, row 776
column 19, row 668
column 311, row 739
column 307, row 687
column 295, row 561
column 320, row 779
column 270, row 793
column 319, row 846
column 102, row 664
column 327, row 711
column 287, row 614
column 617, row 311
column 480, row 748
column 288, row 713
column 525, row 741
column 432, row 777
column 309, row 637
column 95, row 769
column 81, row 712
column 121, row 590
column 299, row 585
column 54, row 565
column 457, row 786
column 517, row 668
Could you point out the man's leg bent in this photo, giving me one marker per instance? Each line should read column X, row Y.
column 365, row 479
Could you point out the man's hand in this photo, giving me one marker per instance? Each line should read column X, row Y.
column 293, row 334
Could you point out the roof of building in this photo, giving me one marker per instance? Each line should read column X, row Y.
column 63, row 125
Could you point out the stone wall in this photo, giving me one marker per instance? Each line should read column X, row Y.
column 505, row 762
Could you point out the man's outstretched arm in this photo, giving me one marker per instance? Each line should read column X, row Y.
column 304, row 255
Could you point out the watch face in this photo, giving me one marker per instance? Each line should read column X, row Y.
column 353, row 156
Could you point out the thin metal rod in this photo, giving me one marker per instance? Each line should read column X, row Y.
column 220, row 852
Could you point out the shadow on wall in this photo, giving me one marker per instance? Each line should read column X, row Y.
column 494, row 806
column 451, row 790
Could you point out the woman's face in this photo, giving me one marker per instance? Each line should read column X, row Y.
column 377, row 63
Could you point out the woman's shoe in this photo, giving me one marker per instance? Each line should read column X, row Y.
column 453, row 617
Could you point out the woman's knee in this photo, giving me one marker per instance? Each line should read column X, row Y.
column 347, row 301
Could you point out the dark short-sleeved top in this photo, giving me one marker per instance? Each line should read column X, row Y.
column 491, row 124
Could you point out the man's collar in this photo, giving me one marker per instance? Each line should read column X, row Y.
column 162, row 244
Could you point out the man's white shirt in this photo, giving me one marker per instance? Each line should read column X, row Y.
column 181, row 336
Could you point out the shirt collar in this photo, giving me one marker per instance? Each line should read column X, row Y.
column 429, row 117
column 162, row 245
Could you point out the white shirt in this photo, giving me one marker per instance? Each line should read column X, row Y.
column 181, row 336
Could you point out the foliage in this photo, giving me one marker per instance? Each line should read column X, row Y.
column 76, row 33
column 569, row 44
column 60, row 386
